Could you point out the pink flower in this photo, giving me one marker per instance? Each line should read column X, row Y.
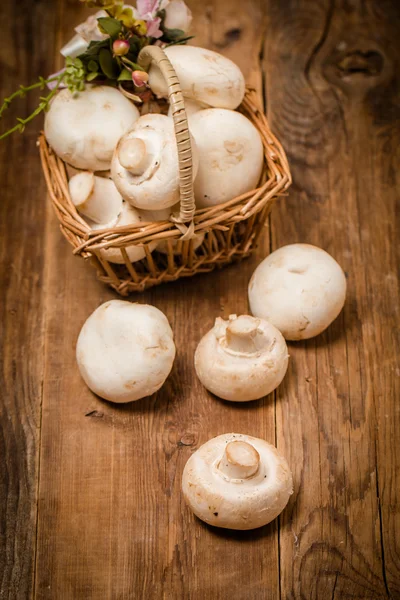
column 153, row 28
column 147, row 7
column 147, row 11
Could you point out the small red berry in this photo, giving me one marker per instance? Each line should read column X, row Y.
column 121, row 47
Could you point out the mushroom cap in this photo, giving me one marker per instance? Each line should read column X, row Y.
column 241, row 359
column 191, row 108
column 160, row 215
column 84, row 128
column 125, row 351
column 299, row 288
column 150, row 152
column 95, row 197
column 217, row 496
column 231, row 155
column 128, row 216
column 204, row 76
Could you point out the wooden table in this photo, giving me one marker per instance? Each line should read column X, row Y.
column 90, row 501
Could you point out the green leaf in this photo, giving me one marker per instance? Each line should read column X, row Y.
column 125, row 75
column 93, row 66
column 134, row 43
column 144, row 41
column 74, row 62
column 110, row 26
column 107, row 64
column 94, row 49
column 173, row 34
column 92, row 75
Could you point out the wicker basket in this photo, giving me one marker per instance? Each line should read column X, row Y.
column 230, row 229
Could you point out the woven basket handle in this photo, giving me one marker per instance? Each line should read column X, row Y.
column 155, row 54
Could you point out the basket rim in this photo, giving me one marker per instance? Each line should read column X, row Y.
column 274, row 182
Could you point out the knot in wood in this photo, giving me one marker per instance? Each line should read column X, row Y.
column 368, row 63
column 188, row 439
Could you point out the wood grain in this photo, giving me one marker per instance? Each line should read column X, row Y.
column 26, row 38
column 331, row 89
column 102, row 508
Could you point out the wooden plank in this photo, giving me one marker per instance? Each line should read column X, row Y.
column 331, row 82
column 112, row 522
column 25, row 44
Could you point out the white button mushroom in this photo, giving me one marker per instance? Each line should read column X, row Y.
column 299, row 288
column 241, row 359
column 135, row 252
column 145, row 165
column 204, row 76
column 83, row 129
column 125, row 351
column 160, row 215
column 237, row 481
column 230, row 155
column 95, row 197
column 191, row 108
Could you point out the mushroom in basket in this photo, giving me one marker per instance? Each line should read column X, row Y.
column 83, row 129
column 97, row 199
column 204, row 76
column 145, row 165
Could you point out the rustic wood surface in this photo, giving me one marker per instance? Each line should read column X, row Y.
column 90, row 502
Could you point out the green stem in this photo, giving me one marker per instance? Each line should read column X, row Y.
column 42, row 106
column 131, row 64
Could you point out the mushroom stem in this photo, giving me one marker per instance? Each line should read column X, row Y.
column 241, row 334
column 134, row 156
column 240, row 460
